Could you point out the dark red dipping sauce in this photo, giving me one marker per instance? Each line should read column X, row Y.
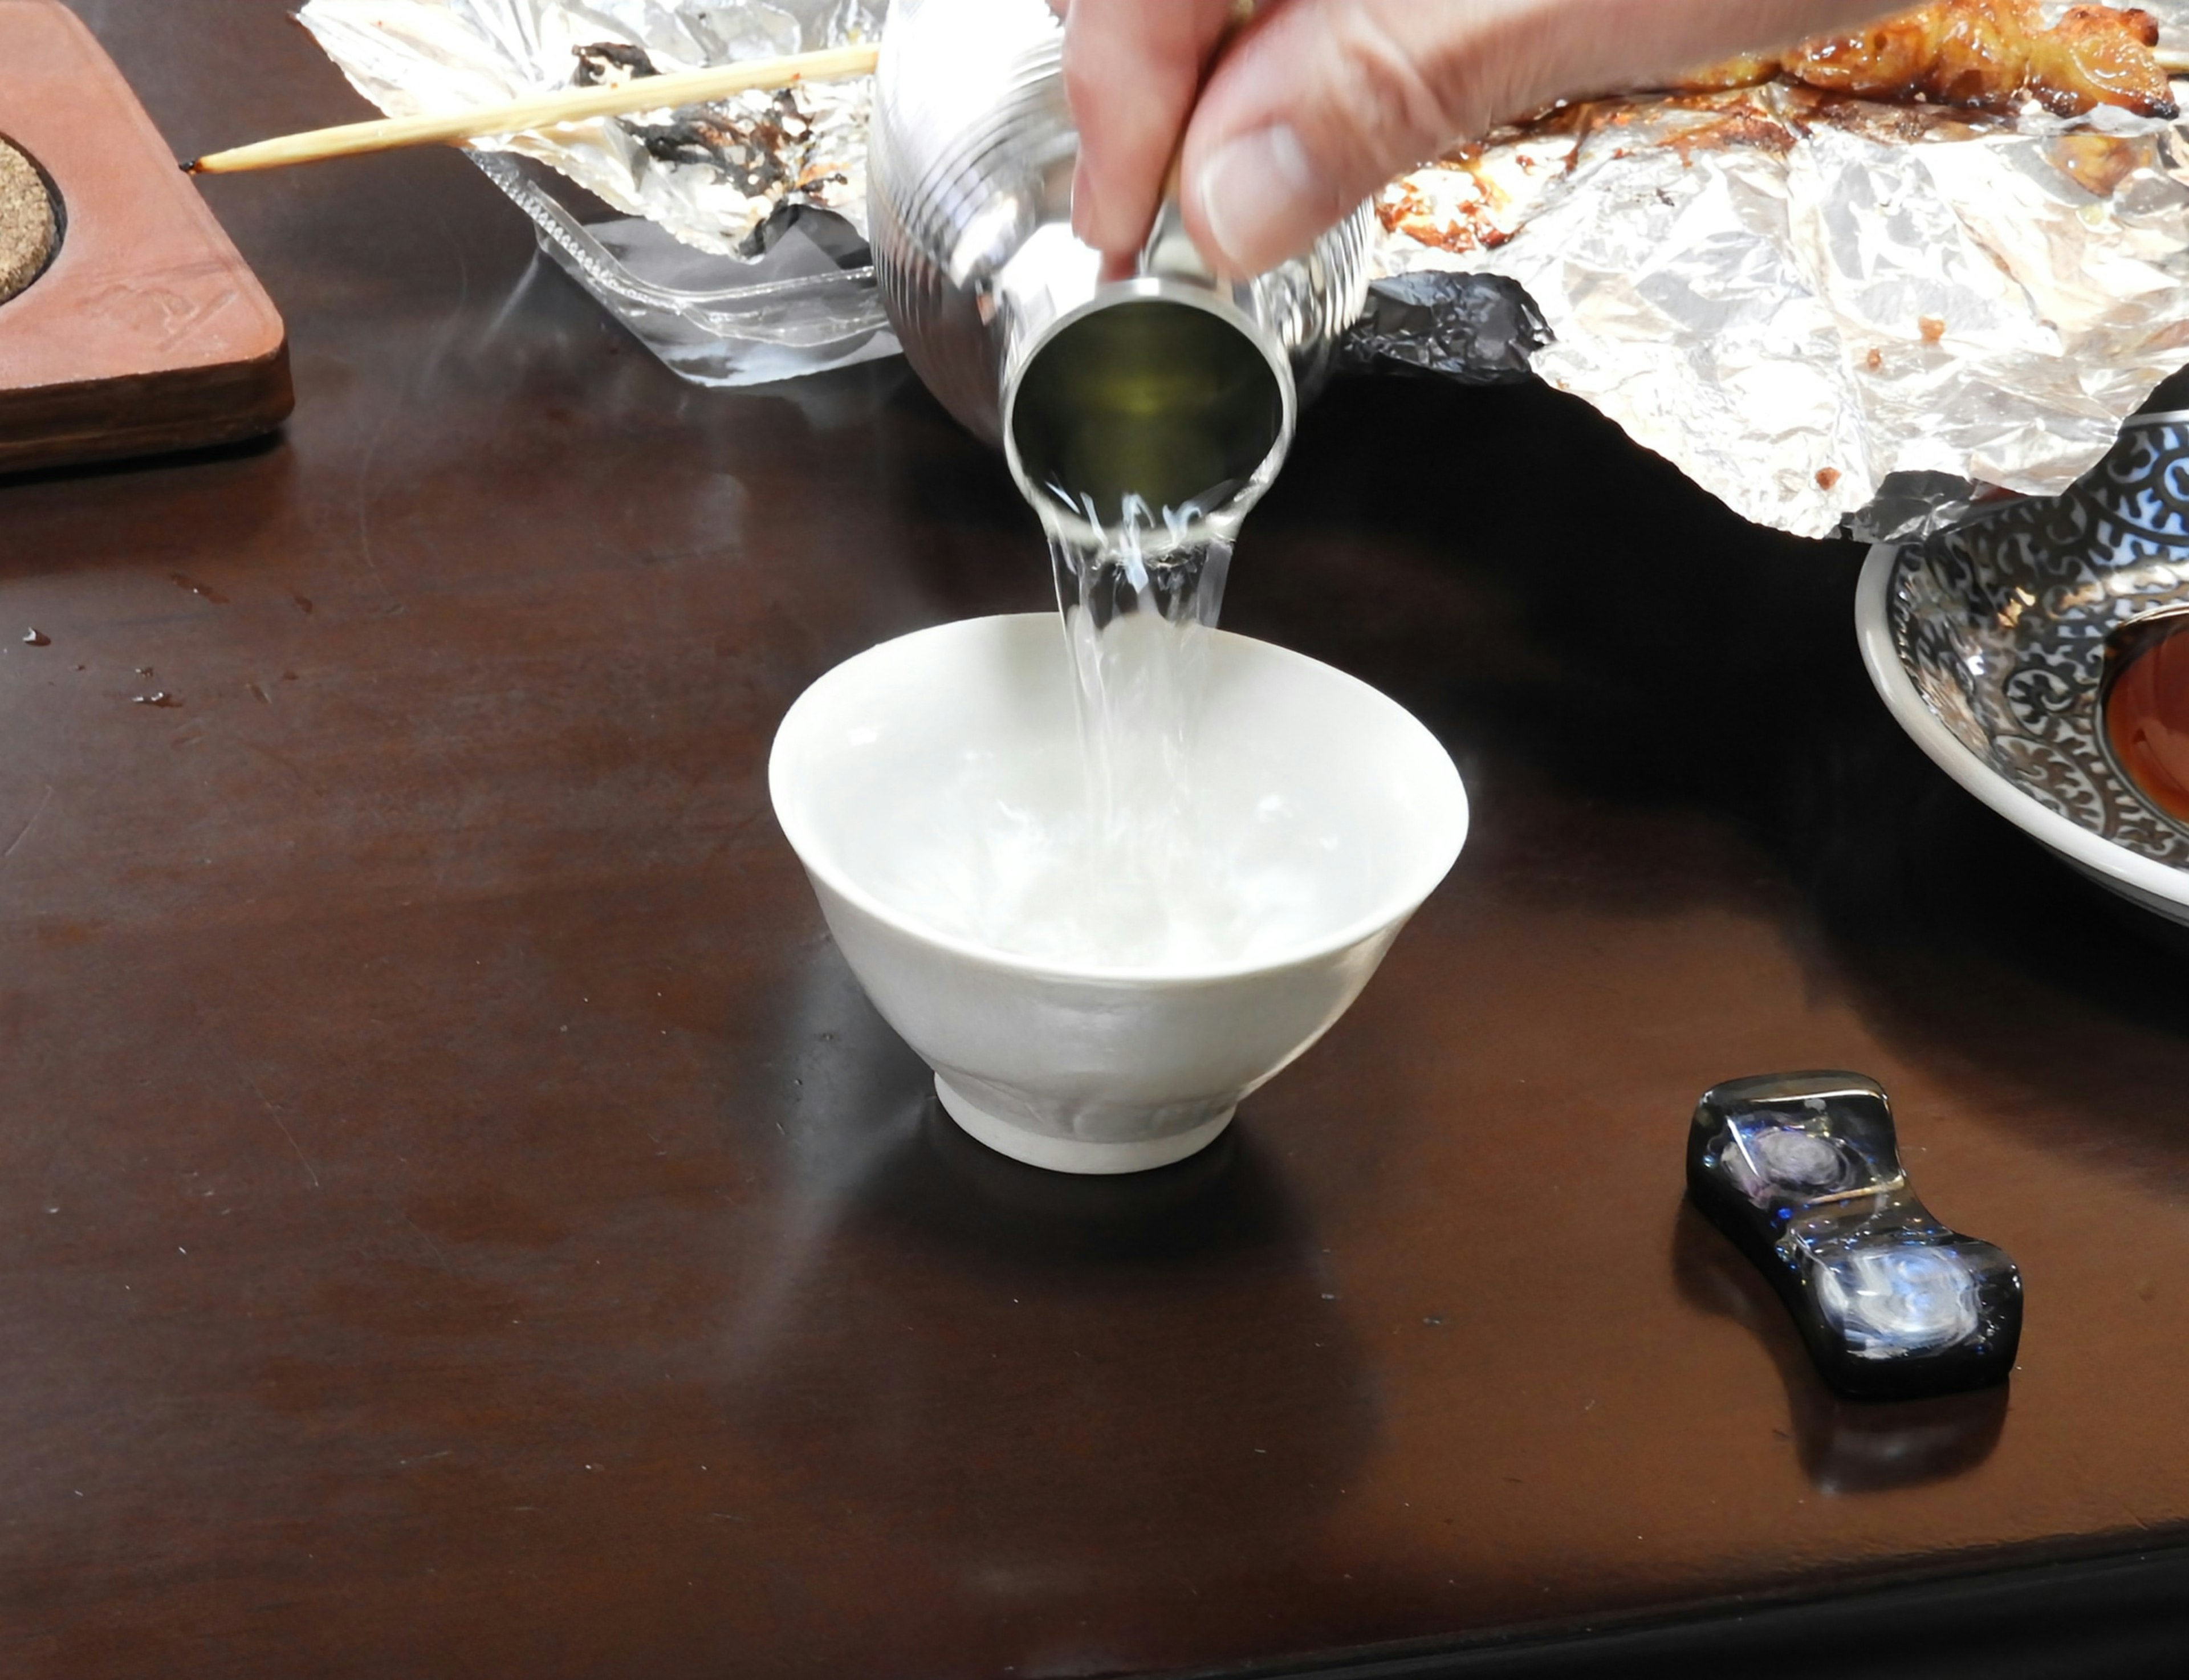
column 2148, row 717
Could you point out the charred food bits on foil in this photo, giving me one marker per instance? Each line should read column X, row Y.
column 1793, row 294
column 712, row 175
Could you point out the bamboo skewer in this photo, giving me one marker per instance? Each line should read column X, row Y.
column 580, row 105
column 543, row 110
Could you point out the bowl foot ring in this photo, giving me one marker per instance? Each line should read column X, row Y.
column 1072, row 1154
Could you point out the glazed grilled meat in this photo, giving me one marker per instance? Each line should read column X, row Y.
column 1749, row 69
column 2098, row 56
column 1989, row 54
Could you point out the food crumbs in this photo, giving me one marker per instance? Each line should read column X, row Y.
column 1827, row 476
column 204, row 590
column 1932, row 329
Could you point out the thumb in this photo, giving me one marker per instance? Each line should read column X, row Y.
column 1324, row 100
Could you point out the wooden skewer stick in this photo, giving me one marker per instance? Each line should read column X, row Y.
column 2173, row 60
column 543, row 110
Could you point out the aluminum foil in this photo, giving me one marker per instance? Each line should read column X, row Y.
column 1476, row 329
column 712, row 181
column 1794, row 298
column 1832, row 315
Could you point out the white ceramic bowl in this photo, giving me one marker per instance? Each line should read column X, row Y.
column 1087, row 1069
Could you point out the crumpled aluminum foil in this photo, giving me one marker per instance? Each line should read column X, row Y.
column 1834, row 316
column 1473, row 329
column 412, row 57
column 1793, row 298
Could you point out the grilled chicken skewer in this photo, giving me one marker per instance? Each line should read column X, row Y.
column 1986, row 54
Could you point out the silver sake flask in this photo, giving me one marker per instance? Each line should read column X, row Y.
column 1169, row 385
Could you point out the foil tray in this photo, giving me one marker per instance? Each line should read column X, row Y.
column 810, row 304
column 736, row 259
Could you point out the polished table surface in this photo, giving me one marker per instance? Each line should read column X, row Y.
column 460, row 1216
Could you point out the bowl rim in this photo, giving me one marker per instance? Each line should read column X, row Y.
column 2077, row 844
column 1394, row 907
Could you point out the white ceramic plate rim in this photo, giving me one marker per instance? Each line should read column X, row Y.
column 1397, row 906
column 2093, row 852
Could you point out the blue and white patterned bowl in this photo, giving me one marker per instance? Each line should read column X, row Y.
column 1988, row 643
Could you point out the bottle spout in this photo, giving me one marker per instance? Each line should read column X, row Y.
column 1156, row 399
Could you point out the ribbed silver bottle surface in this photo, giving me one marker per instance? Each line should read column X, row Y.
column 970, row 207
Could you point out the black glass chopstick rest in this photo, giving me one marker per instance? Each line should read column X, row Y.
column 1803, row 1172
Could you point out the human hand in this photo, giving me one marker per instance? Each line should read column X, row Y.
column 1317, row 103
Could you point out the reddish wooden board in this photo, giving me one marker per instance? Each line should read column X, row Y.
column 148, row 331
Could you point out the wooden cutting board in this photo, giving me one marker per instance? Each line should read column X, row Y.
column 147, row 331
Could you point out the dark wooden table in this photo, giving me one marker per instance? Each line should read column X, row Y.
column 458, row 1216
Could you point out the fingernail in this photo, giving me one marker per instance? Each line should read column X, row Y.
column 1255, row 193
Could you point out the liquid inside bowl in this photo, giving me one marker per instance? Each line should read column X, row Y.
column 941, row 777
